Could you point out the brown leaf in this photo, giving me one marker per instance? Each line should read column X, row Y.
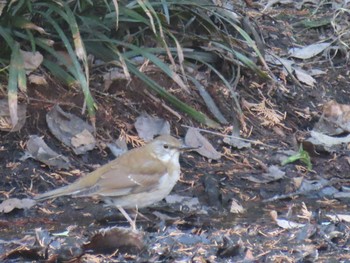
column 194, row 139
column 12, row 203
column 335, row 119
column 274, row 174
column 148, row 126
column 82, row 139
column 37, row 80
column 71, row 130
column 38, row 149
column 32, row 60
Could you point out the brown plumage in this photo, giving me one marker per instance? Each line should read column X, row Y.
column 138, row 178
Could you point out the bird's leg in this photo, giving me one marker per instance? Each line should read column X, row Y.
column 125, row 214
column 136, row 213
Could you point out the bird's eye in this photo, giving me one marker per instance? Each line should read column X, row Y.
column 166, row 146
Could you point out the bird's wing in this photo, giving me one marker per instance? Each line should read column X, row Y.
column 126, row 176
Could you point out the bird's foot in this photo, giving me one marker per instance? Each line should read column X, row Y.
column 128, row 218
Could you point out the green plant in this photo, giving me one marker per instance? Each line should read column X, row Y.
column 182, row 33
column 302, row 156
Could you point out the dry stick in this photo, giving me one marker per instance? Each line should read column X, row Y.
column 54, row 102
column 299, row 192
column 232, row 136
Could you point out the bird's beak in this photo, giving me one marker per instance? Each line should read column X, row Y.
column 186, row 148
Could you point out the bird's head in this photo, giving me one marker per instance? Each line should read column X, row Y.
column 166, row 148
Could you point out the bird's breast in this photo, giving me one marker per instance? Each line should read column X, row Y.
column 169, row 179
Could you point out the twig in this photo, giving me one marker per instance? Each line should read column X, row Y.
column 58, row 102
column 231, row 136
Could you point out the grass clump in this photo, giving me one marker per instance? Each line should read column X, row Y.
column 171, row 35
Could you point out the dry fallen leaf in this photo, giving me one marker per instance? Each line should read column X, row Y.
column 71, row 130
column 335, row 119
column 236, row 142
column 308, row 51
column 276, row 60
column 37, row 80
column 112, row 75
column 236, row 207
column 194, row 139
column 304, row 77
column 9, row 204
column 148, row 126
column 118, row 147
column 82, row 139
column 323, row 142
column 32, row 60
column 274, row 174
column 284, row 223
column 38, row 149
column 297, row 181
column 339, row 217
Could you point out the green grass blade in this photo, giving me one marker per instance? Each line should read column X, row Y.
column 244, row 59
column 166, row 10
column 147, row 8
column 76, row 68
column 12, row 88
column 60, row 73
column 116, row 7
column 211, row 105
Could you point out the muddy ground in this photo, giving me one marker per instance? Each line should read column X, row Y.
column 65, row 229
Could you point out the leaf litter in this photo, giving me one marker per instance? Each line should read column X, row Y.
column 196, row 140
column 14, row 203
column 332, row 131
column 40, row 151
column 148, row 127
column 71, row 130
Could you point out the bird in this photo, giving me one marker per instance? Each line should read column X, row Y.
column 138, row 178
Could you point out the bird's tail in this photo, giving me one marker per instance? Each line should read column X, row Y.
column 65, row 190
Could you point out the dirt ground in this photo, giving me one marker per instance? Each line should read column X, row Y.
column 83, row 230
